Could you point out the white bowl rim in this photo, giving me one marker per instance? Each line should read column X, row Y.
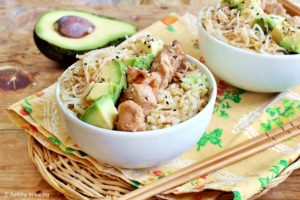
column 212, row 97
column 246, row 51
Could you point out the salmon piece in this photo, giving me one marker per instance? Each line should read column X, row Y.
column 130, row 117
column 294, row 21
column 135, row 75
column 168, row 62
column 141, row 94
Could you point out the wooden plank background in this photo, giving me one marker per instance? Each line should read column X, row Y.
column 17, row 17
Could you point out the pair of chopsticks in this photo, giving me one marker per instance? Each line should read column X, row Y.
column 216, row 162
column 291, row 8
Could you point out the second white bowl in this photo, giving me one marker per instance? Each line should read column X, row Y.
column 249, row 70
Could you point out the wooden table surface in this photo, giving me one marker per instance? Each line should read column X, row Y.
column 18, row 176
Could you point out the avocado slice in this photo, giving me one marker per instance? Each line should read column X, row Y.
column 148, row 45
column 112, row 82
column 103, row 89
column 143, row 62
column 61, row 34
column 101, row 114
column 190, row 79
column 149, row 49
column 287, row 37
column 114, row 72
column 245, row 5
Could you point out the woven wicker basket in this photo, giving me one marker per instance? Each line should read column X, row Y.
column 72, row 177
column 75, row 180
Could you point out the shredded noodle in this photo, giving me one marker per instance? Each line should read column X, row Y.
column 78, row 79
column 230, row 26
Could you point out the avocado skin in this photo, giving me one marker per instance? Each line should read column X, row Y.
column 65, row 57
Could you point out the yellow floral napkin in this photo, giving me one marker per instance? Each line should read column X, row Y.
column 238, row 116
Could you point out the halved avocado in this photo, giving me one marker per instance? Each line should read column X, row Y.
column 61, row 34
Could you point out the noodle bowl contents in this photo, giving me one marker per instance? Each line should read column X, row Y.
column 139, row 85
column 262, row 26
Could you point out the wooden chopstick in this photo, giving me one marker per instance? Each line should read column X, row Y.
column 216, row 162
column 291, row 8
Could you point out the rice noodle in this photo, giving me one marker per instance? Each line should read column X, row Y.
column 230, row 26
column 78, row 80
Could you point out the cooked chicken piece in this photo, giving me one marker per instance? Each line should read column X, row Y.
column 273, row 7
column 175, row 53
column 141, row 94
column 130, row 117
column 155, row 82
column 162, row 66
column 294, row 21
column 167, row 62
column 135, row 75
column 265, row 3
column 182, row 68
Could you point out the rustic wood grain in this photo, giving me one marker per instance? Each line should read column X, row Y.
column 17, row 18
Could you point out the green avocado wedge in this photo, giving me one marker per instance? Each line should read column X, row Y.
column 62, row 34
column 102, row 113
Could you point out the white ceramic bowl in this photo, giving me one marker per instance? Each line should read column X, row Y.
column 246, row 69
column 140, row 149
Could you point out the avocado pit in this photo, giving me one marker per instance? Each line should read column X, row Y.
column 73, row 26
